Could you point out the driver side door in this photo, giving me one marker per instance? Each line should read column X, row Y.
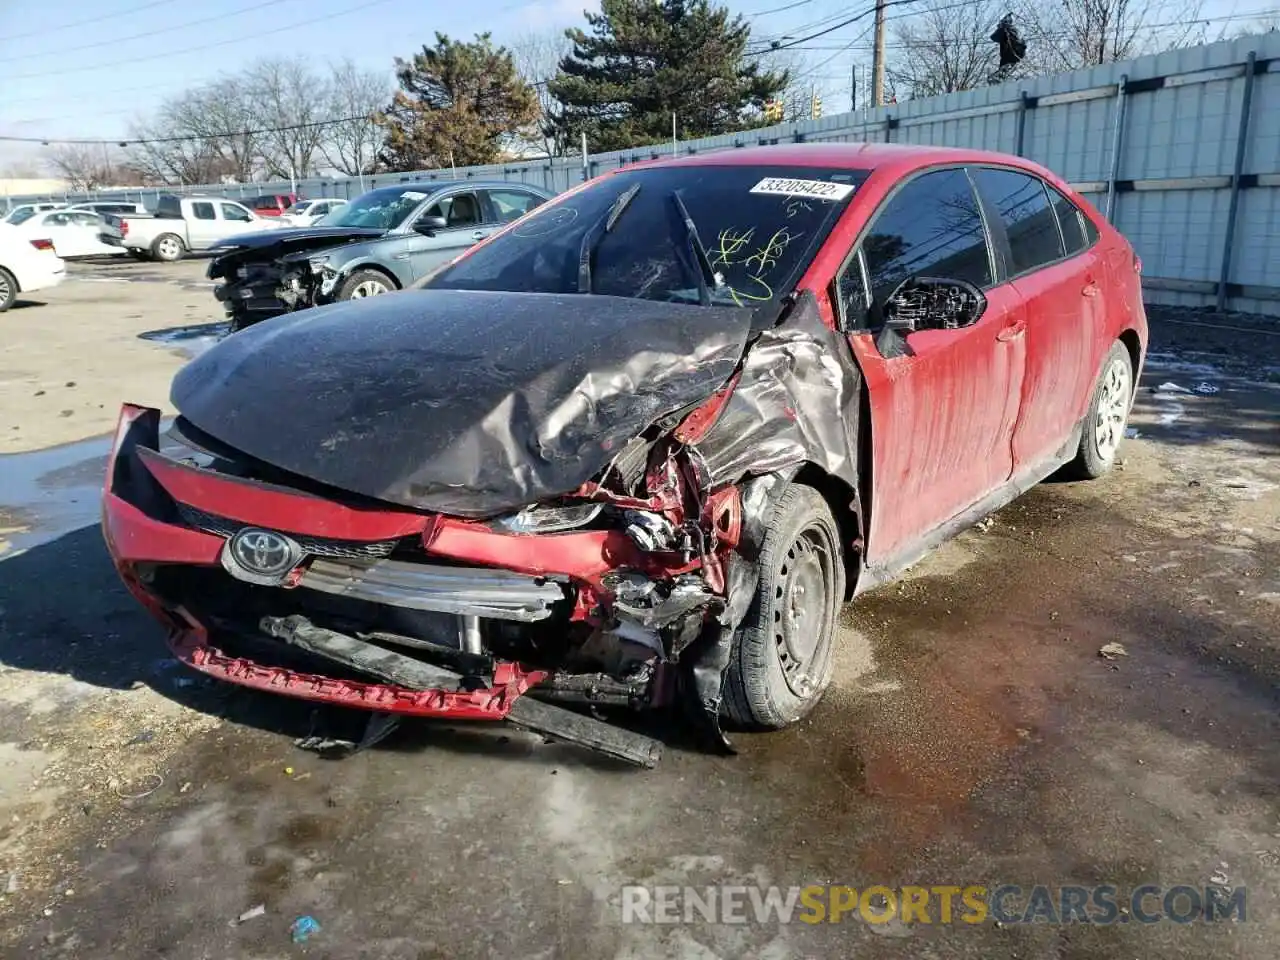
column 944, row 403
column 465, row 226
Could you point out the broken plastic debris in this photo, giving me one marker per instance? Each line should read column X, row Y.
column 303, row 928
column 1110, row 651
column 985, row 524
column 1219, row 877
column 250, row 914
column 1171, row 388
column 1206, row 388
column 325, row 745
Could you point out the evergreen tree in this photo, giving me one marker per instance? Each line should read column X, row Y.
column 646, row 59
column 458, row 101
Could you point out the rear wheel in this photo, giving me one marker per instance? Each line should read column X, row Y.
column 365, row 283
column 1104, row 425
column 8, row 289
column 782, row 655
column 167, row 247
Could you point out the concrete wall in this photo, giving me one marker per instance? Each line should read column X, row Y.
column 1163, row 145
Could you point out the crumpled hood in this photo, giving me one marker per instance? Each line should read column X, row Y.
column 462, row 402
column 271, row 244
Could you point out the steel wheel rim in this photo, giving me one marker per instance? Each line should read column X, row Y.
column 169, row 249
column 802, row 612
column 368, row 288
column 5, row 290
column 1113, row 409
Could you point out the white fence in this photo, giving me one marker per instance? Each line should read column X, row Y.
column 1181, row 150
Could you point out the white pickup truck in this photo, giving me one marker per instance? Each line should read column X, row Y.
column 181, row 225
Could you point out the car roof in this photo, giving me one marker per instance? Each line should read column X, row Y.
column 431, row 186
column 844, row 156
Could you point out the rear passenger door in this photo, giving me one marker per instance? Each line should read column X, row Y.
column 1061, row 286
column 942, row 415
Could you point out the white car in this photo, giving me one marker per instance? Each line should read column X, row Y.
column 25, row 211
column 306, row 212
column 119, row 207
column 26, row 264
column 75, row 233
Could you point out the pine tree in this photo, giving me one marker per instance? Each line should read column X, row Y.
column 646, row 59
column 457, row 102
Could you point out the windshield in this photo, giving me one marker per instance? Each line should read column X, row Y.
column 21, row 215
column 384, row 209
column 760, row 226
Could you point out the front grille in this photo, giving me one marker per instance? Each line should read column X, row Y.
column 317, row 546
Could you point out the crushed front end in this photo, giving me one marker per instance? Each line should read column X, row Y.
column 274, row 582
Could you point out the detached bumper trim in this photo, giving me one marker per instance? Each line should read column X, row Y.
column 495, row 594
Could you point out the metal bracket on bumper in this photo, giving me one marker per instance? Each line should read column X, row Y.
column 418, row 688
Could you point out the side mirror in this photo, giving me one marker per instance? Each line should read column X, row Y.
column 427, row 226
column 927, row 303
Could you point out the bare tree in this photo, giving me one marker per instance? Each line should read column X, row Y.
column 1066, row 35
column 222, row 113
column 537, row 57
column 356, row 97
column 171, row 149
column 289, row 104
column 944, row 48
column 85, row 166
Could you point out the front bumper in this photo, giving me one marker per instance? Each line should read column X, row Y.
column 159, row 514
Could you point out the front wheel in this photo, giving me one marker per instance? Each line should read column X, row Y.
column 1108, row 415
column 365, row 283
column 782, row 655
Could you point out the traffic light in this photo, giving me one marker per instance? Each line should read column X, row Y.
column 773, row 111
column 815, row 107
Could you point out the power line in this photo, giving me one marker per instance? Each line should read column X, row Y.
column 141, row 141
column 774, row 47
column 200, row 48
column 789, row 6
column 149, row 33
column 83, row 23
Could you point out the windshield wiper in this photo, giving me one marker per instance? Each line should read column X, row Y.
column 599, row 230
column 707, row 277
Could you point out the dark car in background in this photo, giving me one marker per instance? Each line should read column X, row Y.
column 380, row 242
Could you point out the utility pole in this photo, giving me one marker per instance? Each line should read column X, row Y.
column 877, row 63
column 853, row 87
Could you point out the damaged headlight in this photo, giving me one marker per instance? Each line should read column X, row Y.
column 536, row 519
column 319, row 264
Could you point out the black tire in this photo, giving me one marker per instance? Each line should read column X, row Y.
column 778, row 672
column 8, row 289
column 167, row 248
column 1108, row 414
column 351, row 287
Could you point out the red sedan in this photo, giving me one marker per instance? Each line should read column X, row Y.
column 634, row 450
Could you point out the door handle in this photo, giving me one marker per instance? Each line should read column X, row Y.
column 1012, row 332
column 1091, row 288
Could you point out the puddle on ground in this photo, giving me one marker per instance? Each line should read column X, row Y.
column 191, row 340
column 53, row 492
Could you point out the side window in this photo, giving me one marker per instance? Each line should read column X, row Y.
column 203, row 211
column 232, row 211
column 85, row 219
column 932, row 227
column 1029, row 221
column 57, row 220
column 1070, row 219
column 464, row 210
column 512, row 204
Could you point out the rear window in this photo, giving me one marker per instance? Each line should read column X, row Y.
column 1070, row 219
column 760, row 226
column 1029, row 221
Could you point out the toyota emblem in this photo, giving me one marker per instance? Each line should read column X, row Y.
column 261, row 556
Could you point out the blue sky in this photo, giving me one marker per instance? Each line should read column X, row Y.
column 70, row 69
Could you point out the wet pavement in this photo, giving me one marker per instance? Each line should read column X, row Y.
column 973, row 735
